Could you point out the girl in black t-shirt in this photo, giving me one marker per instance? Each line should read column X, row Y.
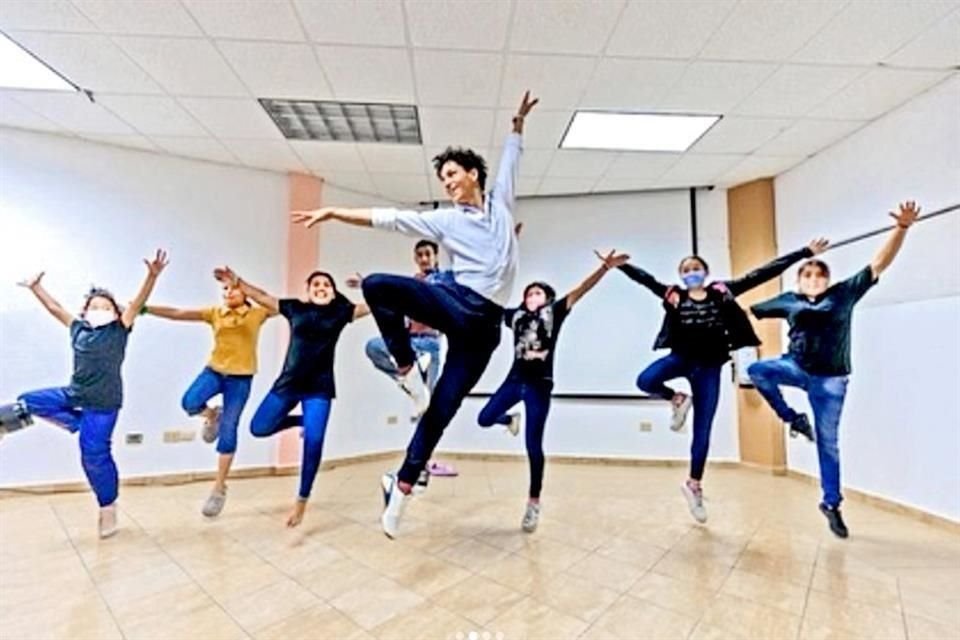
column 307, row 375
column 90, row 404
column 536, row 326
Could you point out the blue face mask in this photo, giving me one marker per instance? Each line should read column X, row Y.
column 694, row 279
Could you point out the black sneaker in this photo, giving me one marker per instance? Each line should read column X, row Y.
column 835, row 519
column 802, row 426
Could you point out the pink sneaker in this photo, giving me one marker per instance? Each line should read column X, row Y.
column 442, row 469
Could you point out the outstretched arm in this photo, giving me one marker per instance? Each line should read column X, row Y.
column 360, row 310
column 173, row 313
column 774, row 268
column 640, row 276
column 154, row 268
column 611, row 260
column 48, row 302
column 261, row 297
column 905, row 217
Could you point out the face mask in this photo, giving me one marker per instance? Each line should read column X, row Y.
column 694, row 279
column 99, row 317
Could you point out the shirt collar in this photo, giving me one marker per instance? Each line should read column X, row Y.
column 241, row 311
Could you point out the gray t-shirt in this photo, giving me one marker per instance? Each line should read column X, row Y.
column 97, row 357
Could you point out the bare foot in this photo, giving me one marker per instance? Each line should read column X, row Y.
column 296, row 514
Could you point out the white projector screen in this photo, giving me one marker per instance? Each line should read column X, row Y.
column 608, row 338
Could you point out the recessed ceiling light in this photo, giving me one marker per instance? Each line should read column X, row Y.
column 635, row 131
column 345, row 121
column 20, row 69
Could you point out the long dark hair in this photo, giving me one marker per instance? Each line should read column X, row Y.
column 324, row 274
column 547, row 290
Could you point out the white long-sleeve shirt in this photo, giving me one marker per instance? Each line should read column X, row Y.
column 481, row 242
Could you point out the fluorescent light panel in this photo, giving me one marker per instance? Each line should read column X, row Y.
column 19, row 69
column 344, row 121
column 635, row 131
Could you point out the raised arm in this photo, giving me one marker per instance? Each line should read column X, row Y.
column 508, row 171
column 640, row 276
column 774, row 268
column 173, row 313
column 612, row 260
column 905, row 217
column 48, row 302
column 261, row 297
column 154, row 268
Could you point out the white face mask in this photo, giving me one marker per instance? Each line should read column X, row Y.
column 99, row 317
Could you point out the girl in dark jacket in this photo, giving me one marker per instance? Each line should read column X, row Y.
column 703, row 323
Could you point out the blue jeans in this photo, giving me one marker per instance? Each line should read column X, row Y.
column 471, row 324
column 704, row 381
column 380, row 356
column 825, row 394
column 536, row 401
column 96, row 429
column 273, row 416
column 235, row 390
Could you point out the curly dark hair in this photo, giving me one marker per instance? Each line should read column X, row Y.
column 100, row 292
column 466, row 158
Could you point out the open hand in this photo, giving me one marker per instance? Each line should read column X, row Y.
column 310, row 218
column 908, row 214
column 226, row 275
column 33, row 282
column 672, row 296
column 158, row 264
column 818, row 245
column 612, row 259
column 526, row 105
column 354, row 281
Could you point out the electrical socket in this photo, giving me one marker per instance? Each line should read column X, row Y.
column 170, row 437
column 392, row 420
column 134, row 438
column 646, row 426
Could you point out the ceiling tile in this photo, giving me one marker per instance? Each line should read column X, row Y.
column 807, row 137
column 90, row 61
column 433, row 23
column 197, row 148
column 72, row 111
column 403, row 188
column 700, row 169
column 136, row 17
column 796, row 89
column 14, row 114
column 735, row 134
column 574, row 163
column 252, row 19
column 754, row 167
column 771, row 30
column 153, row 115
column 564, row 26
column 543, row 129
column 184, row 67
column 392, row 158
column 867, row 31
column 715, row 87
column 559, row 81
column 457, row 78
column 643, row 167
column 533, row 162
column 368, row 74
column 608, row 184
column 666, row 28
column 348, row 180
column 631, row 85
column 43, row 15
column 528, row 186
column 564, row 186
column 876, row 92
column 329, row 157
column 457, row 127
column 277, row 70
column 371, row 22
column 938, row 47
column 233, row 118
column 265, row 154
column 129, row 142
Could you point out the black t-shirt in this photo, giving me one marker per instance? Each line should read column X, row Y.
column 701, row 333
column 97, row 357
column 535, row 338
column 314, row 331
column 820, row 328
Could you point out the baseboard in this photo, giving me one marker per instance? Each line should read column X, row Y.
column 613, row 461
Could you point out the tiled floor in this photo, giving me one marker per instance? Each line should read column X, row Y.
column 616, row 557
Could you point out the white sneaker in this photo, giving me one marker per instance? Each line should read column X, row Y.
column 515, row 420
column 211, row 425
column 694, row 502
column 423, row 363
column 107, row 524
column 531, row 517
column 680, row 412
column 413, row 385
column 214, row 504
column 394, row 502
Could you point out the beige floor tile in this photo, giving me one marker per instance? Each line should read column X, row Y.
column 520, row 573
column 618, row 576
column 629, row 618
column 338, row 577
column 473, row 555
column 879, row 593
column 478, row 599
column 426, row 620
column 830, row 612
column 118, row 591
column 428, row 576
column 778, row 594
column 711, row 576
column 641, row 555
column 240, row 580
column 259, row 609
column 777, row 567
column 923, row 629
column 376, row 602
column 547, row 552
column 680, row 596
column 737, row 615
column 575, row 596
column 707, row 632
column 320, row 621
column 531, row 620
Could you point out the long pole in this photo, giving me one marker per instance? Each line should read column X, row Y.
column 876, row 232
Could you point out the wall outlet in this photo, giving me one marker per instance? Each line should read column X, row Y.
column 178, row 436
column 392, row 420
column 134, row 438
column 646, row 426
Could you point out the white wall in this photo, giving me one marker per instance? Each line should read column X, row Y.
column 88, row 213
column 900, row 433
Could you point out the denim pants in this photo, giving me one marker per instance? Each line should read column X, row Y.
column 825, row 394
column 380, row 356
column 235, row 390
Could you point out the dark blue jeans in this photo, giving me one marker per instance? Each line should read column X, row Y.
column 704, row 381
column 96, row 430
column 472, row 326
column 825, row 394
column 273, row 416
column 235, row 390
column 536, row 401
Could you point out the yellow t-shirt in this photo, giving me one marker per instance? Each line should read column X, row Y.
column 235, row 333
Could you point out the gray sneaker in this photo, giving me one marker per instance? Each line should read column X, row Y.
column 531, row 517
column 515, row 420
column 680, row 411
column 694, row 502
column 214, row 504
column 211, row 425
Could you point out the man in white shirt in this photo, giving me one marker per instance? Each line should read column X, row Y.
column 477, row 232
